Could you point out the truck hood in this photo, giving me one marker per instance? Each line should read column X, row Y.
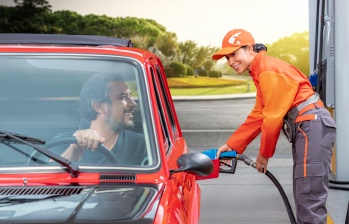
column 131, row 203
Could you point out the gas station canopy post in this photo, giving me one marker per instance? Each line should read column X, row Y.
column 341, row 90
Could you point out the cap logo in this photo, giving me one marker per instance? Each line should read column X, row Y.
column 232, row 38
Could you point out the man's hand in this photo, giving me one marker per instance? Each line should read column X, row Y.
column 224, row 148
column 261, row 163
column 88, row 139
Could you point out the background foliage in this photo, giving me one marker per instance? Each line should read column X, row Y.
column 293, row 49
column 36, row 16
column 214, row 74
column 27, row 17
column 169, row 72
column 203, row 73
column 179, row 69
column 190, row 71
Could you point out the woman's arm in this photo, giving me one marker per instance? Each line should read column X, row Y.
column 278, row 92
column 248, row 131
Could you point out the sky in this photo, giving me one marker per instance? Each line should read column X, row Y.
column 204, row 21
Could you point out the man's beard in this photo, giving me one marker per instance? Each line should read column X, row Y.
column 117, row 126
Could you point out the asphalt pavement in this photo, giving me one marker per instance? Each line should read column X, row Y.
column 246, row 197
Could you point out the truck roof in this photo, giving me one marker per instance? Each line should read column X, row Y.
column 53, row 43
column 89, row 40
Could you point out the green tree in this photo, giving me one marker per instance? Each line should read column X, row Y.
column 293, row 49
column 35, row 16
column 203, row 73
column 209, row 63
column 190, row 71
column 167, row 43
column 70, row 22
column 28, row 16
column 188, row 50
column 204, row 57
column 179, row 69
column 142, row 32
column 213, row 74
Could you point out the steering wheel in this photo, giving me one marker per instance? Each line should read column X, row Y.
column 70, row 140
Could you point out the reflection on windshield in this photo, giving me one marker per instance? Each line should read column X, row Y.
column 115, row 204
column 92, row 204
column 93, row 102
column 57, row 209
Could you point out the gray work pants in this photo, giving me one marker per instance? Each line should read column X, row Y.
column 315, row 139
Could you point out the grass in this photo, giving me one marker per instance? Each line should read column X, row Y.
column 201, row 91
column 213, row 90
column 192, row 82
column 133, row 87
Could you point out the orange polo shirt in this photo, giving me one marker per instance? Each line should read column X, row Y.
column 280, row 87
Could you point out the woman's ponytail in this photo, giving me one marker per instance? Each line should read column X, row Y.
column 259, row 47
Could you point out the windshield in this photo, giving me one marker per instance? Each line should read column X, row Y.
column 74, row 104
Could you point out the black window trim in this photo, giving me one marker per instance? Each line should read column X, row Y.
column 161, row 112
column 167, row 102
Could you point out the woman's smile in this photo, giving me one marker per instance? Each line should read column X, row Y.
column 236, row 67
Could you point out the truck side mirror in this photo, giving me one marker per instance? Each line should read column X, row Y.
column 198, row 163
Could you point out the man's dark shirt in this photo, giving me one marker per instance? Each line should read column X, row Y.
column 130, row 149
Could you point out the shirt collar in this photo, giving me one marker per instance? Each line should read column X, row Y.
column 255, row 63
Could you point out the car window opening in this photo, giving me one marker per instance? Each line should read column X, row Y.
column 52, row 99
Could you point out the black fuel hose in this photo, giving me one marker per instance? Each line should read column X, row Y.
column 250, row 162
column 338, row 187
column 284, row 197
column 332, row 186
column 338, row 182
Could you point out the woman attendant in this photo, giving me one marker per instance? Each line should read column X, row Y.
column 285, row 99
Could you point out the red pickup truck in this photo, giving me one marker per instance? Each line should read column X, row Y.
column 60, row 95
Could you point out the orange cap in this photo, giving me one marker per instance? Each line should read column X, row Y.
column 232, row 41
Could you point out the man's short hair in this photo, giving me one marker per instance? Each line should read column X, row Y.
column 96, row 89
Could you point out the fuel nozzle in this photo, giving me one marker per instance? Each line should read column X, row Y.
column 224, row 155
column 246, row 160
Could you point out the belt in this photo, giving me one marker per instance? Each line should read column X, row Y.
column 308, row 116
column 294, row 116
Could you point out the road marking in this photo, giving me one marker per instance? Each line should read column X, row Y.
column 208, row 130
column 329, row 219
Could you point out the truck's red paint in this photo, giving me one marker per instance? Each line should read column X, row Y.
column 180, row 199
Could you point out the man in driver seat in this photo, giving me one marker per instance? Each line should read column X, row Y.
column 106, row 102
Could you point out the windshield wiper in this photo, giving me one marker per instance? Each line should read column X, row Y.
column 4, row 135
column 74, row 169
column 11, row 200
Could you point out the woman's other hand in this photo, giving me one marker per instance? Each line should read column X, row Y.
column 261, row 163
